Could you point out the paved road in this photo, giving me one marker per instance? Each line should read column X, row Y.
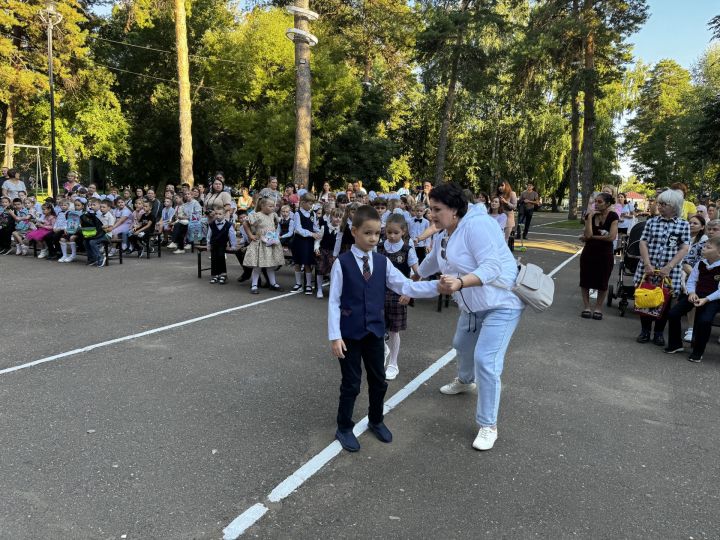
column 174, row 434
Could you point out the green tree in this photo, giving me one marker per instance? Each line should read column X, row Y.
column 655, row 137
column 90, row 122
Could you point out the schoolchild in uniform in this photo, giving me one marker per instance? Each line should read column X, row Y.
column 417, row 227
column 703, row 294
column 303, row 244
column 72, row 234
column 345, row 237
column 324, row 247
column 286, row 226
column 356, row 323
column 400, row 253
column 220, row 233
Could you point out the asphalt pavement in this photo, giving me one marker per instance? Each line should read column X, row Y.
column 175, row 433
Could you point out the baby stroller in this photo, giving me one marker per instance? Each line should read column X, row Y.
column 630, row 257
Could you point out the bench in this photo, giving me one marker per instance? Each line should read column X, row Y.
column 106, row 247
column 200, row 249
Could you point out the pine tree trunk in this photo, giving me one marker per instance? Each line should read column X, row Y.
column 588, row 108
column 574, row 153
column 449, row 102
column 303, row 101
column 8, row 159
column 574, row 125
column 184, row 104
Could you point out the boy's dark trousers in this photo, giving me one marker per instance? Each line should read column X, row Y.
column 218, row 266
column 178, row 235
column 421, row 253
column 704, row 317
column 371, row 351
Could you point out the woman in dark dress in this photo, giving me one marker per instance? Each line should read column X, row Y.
column 597, row 259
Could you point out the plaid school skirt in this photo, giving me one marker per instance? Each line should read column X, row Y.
column 324, row 261
column 395, row 313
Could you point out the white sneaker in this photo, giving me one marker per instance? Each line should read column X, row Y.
column 43, row 254
column 172, row 245
column 688, row 335
column 457, row 387
column 18, row 249
column 187, row 247
column 25, row 250
column 179, row 252
column 320, row 294
column 70, row 258
column 391, row 372
column 485, row 439
column 112, row 252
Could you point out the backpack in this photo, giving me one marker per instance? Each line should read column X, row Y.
column 90, row 226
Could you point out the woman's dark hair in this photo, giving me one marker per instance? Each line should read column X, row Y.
column 11, row 174
column 212, row 189
column 701, row 232
column 609, row 199
column 452, row 196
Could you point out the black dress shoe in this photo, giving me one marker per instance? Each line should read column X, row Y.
column 659, row 340
column 347, row 440
column 643, row 337
column 381, row 432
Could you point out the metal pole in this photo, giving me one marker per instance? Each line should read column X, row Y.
column 53, row 151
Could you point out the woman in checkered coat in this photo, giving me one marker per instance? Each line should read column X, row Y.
column 664, row 243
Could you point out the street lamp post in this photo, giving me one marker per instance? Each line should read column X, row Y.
column 51, row 17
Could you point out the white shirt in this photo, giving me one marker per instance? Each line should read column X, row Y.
column 477, row 246
column 397, row 246
column 13, row 188
column 417, row 228
column 298, row 224
column 695, row 274
column 394, row 281
column 108, row 219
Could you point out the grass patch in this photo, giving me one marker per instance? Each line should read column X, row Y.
column 569, row 224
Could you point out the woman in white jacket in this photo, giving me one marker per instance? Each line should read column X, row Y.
column 478, row 270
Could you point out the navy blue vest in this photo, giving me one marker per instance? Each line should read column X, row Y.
column 362, row 303
column 219, row 237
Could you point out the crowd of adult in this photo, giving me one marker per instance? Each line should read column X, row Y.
column 678, row 251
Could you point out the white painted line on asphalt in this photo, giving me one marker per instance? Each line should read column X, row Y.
column 550, row 223
column 564, row 263
column 576, row 236
column 141, row 334
column 244, row 520
column 248, row 518
column 309, row 468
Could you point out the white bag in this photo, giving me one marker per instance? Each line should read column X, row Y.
column 534, row 287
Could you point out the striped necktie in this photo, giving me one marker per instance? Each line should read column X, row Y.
column 366, row 267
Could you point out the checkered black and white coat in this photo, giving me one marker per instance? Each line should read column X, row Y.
column 664, row 239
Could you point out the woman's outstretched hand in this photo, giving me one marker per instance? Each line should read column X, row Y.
column 449, row 284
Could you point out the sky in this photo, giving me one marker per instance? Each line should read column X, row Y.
column 676, row 29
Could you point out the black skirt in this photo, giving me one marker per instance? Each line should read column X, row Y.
column 596, row 265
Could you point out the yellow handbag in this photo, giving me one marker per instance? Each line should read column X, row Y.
column 649, row 296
